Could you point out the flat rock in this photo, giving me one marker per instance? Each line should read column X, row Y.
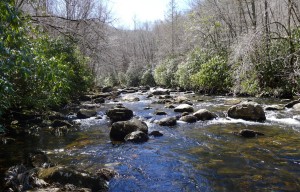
column 184, row 108
column 274, row 108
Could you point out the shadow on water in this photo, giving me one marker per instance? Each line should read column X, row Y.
column 204, row 156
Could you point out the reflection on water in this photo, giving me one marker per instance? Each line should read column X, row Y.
column 204, row 156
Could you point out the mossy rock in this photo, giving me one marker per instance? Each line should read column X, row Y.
column 66, row 175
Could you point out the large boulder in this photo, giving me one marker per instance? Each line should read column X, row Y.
column 119, row 113
column 204, row 114
column 248, row 111
column 168, row 121
column 86, row 113
column 137, row 137
column 184, row 108
column 120, row 129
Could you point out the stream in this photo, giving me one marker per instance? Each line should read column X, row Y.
column 202, row 156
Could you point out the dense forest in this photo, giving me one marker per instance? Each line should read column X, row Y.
column 53, row 51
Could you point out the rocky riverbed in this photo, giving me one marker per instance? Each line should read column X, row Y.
column 141, row 139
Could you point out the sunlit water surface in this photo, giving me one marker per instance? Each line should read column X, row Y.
column 204, row 156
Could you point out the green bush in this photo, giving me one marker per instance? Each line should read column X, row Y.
column 164, row 73
column 148, row 79
column 111, row 80
column 213, row 77
column 133, row 76
column 36, row 71
column 190, row 67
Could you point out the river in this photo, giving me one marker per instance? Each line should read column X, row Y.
column 202, row 156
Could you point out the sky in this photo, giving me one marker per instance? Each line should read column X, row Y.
column 144, row 10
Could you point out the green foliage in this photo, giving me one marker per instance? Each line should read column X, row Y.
column 214, row 76
column 35, row 70
column 111, row 80
column 164, row 73
column 188, row 68
column 122, row 78
column 148, row 79
column 133, row 76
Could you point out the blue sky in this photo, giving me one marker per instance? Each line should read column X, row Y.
column 144, row 10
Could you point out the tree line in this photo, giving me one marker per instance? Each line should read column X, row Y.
column 243, row 47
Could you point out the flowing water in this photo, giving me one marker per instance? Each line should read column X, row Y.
column 203, row 156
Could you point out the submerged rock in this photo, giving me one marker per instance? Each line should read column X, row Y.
column 160, row 113
column 184, row 108
column 156, row 134
column 292, row 103
column 106, row 173
column 136, row 136
column 168, row 121
column 188, row 118
column 247, row 133
column 248, row 111
column 86, row 113
column 274, row 108
column 204, row 114
column 120, row 129
column 119, row 113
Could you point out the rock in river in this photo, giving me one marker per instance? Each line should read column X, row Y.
column 86, row 113
column 248, row 111
column 247, row 133
column 119, row 113
column 168, row 121
column 296, row 107
column 156, row 134
column 188, row 118
column 184, row 108
column 66, row 175
column 204, row 114
column 120, row 129
column 137, row 137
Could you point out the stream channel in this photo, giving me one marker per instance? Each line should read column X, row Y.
column 201, row 156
